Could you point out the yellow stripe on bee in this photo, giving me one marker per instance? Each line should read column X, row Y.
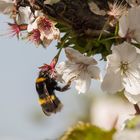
column 42, row 101
column 52, row 97
column 38, row 80
column 47, row 100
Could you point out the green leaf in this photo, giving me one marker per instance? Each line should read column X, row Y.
column 86, row 131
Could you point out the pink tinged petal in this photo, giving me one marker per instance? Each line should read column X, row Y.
column 134, row 99
column 75, row 56
column 44, row 24
column 48, row 28
column 93, row 71
column 112, row 82
column 83, row 82
column 132, row 83
column 35, row 36
column 123, row 26
column 126, row 51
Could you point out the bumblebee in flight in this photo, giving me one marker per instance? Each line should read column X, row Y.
column 46, row 86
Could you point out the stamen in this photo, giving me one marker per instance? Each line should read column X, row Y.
column 34, row 36
column 117, row 9
column 124, row 67
column 44, row 24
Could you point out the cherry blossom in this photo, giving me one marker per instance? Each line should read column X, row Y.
column 78, row 68
column 129, row 25
column 47, row 32
column 123, row 71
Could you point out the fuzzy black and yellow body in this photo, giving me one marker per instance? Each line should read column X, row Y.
column 45, row 86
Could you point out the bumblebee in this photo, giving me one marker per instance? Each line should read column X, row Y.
column 46, row 86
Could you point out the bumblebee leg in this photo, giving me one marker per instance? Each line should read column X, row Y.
column 62, row 89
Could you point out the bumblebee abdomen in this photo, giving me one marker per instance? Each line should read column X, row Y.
column 50, row 104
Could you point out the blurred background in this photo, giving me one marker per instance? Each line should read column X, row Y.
column 21, row 117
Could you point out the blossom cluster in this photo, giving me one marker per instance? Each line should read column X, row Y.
column 123, row 65
column 31, row 25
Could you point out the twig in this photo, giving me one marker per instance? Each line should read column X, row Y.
column 137, row 109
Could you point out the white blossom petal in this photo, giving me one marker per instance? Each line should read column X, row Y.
column 61, row 67
column 134, row 99
column 25, row 15
column 83, row 82
column 77, row 57
column 113, row 62
column 129, row 24
column 112, row 82
column 132, row 77
column 137, row 34
column 32, row 26
column 93, row 71
column 69, row 71
column 123, row 25
column 126, row 51
column 132, row 84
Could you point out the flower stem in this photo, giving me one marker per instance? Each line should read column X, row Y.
column 55, row 59
column 137, row 109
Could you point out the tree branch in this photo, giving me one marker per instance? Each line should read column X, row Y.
column 75, row 13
